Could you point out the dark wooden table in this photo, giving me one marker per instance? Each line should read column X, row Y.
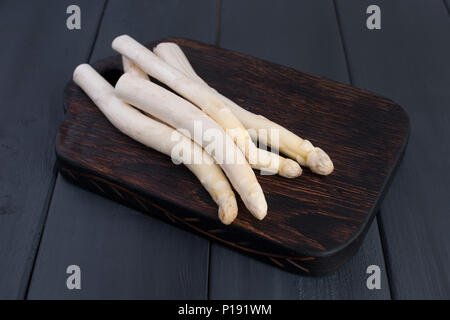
column 47, row 224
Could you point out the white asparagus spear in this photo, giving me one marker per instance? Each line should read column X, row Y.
column 207, row 100
column 184, row 116
column 288, row 143
column 131, row 68
column 158, row 136
column 214, row 174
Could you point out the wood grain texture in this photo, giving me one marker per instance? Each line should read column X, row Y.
column 304, row 35
column 125, row 255
column 314, row 223
column 407, row 60
column 38, row 54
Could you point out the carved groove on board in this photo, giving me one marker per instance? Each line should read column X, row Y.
column 96, row 181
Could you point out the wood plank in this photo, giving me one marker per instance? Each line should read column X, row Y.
column 407, row 61
column 303, row 35
column 149, row 21
column 298, row 34
column 39, row 54
column 234, row 276
column 124, row 254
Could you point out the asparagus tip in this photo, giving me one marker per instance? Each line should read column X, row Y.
column 290, row 169
column 257, row 206
column 319, row 162
column 228, row 210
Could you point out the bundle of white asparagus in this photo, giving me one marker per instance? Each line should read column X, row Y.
column 183, row 126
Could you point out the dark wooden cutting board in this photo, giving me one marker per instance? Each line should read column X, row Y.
column 314, row 223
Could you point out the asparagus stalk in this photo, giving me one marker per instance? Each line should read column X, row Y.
column 157, row 136
column 131, row 68
column 289, row 143
column 208, row 101
column 188, row 119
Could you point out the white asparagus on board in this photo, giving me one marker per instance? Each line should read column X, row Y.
column 157, row 136
column 288, row 143
column 206, row 99
column 188, row 119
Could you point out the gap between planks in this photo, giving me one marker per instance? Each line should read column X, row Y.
column 28, row 275
column 377, row 216
column 446, row 5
